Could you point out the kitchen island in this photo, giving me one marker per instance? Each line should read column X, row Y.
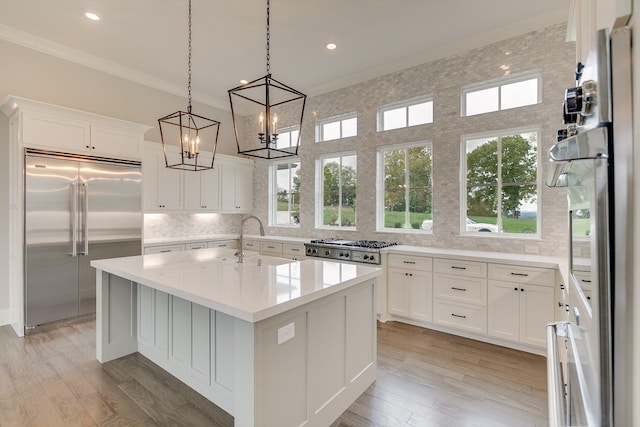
column 274, row 342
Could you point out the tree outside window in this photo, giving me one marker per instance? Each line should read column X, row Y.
column 339, row 176
column 502, row 183
column 407, row 187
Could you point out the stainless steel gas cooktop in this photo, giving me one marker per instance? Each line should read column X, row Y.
column 364, row 251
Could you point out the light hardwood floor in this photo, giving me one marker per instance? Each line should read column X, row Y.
column 425, row 378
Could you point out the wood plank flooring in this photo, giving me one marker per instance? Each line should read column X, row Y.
column 425, row 378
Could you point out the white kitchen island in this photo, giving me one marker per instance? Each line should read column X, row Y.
column 274, row 342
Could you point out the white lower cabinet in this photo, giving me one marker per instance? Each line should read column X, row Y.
column 163, row 249
column 460, row 294
column 410, row 287
column 519, row 311
column 230, row 244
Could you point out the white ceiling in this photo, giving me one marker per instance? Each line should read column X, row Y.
column 146, row 40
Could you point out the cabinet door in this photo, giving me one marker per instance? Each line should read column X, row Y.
column 191, row 191
column 244, row 188
column 210, row 188
column 228, row 187
column 420, row 295
column 398, row 295
column 113, row 142
column 536, row 310
column 163, row 249
column 169, row 185
column 504, row 310
column 53, row 131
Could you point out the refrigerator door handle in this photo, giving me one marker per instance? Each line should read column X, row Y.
column 555, row 382
column 85, row 213
column 74, row 219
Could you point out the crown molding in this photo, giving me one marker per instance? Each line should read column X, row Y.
column 21, row 38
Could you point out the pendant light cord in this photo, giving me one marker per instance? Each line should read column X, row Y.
column 268, row 37
column 189, row 66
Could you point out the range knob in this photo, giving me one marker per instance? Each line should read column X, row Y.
column 568, row 118
column 366, row 257
column 561, row 134
column 327, row 252
column 371, row 257
column 573, row 101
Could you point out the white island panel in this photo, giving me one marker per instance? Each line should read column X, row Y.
column 237, row 332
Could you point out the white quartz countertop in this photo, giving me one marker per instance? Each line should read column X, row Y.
column 259, row 288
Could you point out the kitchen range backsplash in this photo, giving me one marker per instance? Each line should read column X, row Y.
column 170, row 225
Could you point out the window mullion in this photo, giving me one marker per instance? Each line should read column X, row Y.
column 406, row 188
column 499, row 189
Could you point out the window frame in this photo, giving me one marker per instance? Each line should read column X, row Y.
column 404, row 104
column 319, row 214
column 289, row 129
column 334, row 119
column 499, row 83
column 273, row 193
column 380, row 175
column 463, row 183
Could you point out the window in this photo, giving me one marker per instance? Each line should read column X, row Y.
column 501, row 182
column 285, row 193
column 418, row 111
column 336, row 204
column 288, row 137
column 512, row 92
column 405, row 175
column 337, row 127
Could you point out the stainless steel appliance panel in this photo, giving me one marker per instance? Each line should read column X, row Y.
column 77, row 209
column 50, row 267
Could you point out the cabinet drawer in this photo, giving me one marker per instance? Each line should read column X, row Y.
column 163, row 249
column 271, row 248
column 520, row 274
column 460, row 268
column 410, row 262
column 197, row 245
column 292, row 250
column 462, row 289
column 461, row 316
column 231, row 244
column 584, row 279
column 252, row 245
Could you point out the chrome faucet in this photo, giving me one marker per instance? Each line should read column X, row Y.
column 240, row 252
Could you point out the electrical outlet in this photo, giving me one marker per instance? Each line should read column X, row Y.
column 286, row 333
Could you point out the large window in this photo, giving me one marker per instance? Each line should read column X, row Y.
column 506, row 93
column 413, row 112
column 288, row 137
column 285, row 193
column 405, row 175
column 336, row 178
column 337, row 127
column 501, row 184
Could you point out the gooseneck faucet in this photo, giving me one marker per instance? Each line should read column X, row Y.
column 240, row 252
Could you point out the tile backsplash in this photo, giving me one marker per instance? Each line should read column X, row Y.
column 170, row 225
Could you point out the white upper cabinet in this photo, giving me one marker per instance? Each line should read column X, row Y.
column 62, row 129
column 237, row 186
column 228, row 187
column 586, row 17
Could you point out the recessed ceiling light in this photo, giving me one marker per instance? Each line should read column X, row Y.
column 244, row 82
column 92, row 16
column 331, row 46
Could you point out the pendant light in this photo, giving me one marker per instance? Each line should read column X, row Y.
column 193, row 134
column 267, row 114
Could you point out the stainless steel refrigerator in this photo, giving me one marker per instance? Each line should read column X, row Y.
column 590, row 353
column 77, row 209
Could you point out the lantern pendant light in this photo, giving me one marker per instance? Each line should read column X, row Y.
column 262, row 108
column 193, row 134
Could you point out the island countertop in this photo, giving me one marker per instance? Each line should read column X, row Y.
column 258, row 289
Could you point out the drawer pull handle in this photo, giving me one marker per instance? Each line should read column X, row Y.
column 295, row 250
column 458, row 289
column 520, row 274
column 455, row 267
column 585, row 280
column 165, row 251
column 409, row 262
column 458, row 315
